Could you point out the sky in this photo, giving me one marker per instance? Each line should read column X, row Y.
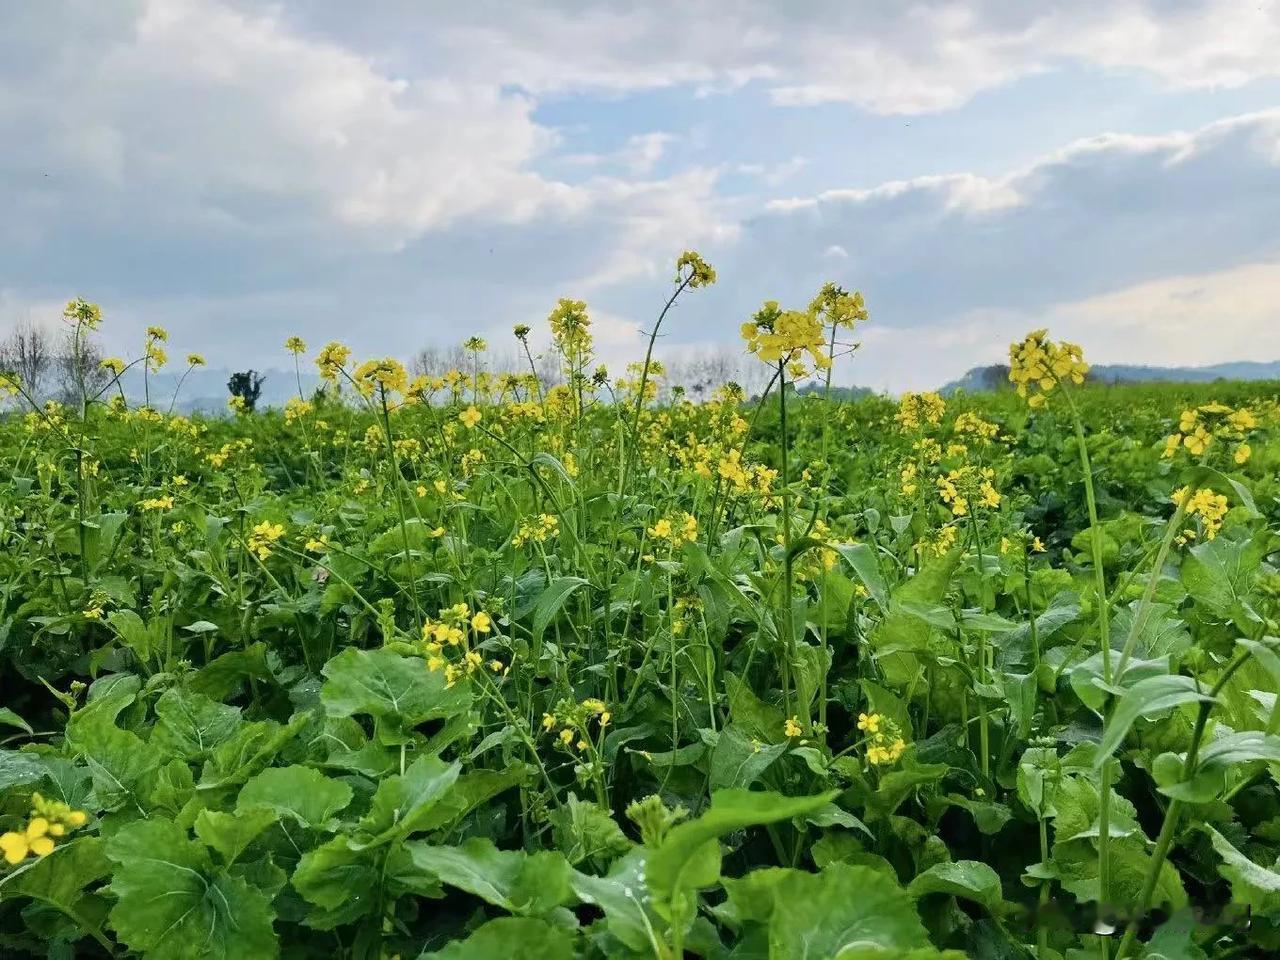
column 398, row 173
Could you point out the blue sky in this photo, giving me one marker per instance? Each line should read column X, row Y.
column 398, row 174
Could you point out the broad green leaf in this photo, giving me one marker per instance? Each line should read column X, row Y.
column 1146, row 698
column 120, row 762
column 530, row 884
column 60, row 879
column 509, row 938
column 171, row 904
column 398, row 692
column 822, row 916
column 403, row 804
column 231, row 833
column 738, row 760
column 624, row 898
column 969, row 879
column 340, row 879
column 19, row 768
column 861, row 558
column 551, row 601
column 191, row 725
column 688, row 857
column 469, row 791
column 304, row 794
column 1253, row 886
column 249, row 750
column 583, row 831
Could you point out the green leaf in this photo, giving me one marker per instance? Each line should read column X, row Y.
column 19, row 768
column 861, row 558
column 172, row 905
column 250, row 749
column 11, row 719
column 583, row 831
column 341, row 879
column 398, row 692
column 509, row 938
column 60, row 879
column 530, row 884
column 1146, row 698
column 843, row 909
column 120, row 762
column 298, row 792
column 738, row 760
column 230, row 833
column 551, row 601
column 403, row 803
column 969, row 879
column 624, row 898
column 191, row 724
column 684, row 860
column 1253, row 886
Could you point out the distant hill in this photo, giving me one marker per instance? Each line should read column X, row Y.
column 996, row 376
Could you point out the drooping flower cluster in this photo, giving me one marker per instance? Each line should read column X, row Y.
column 447, row 642
column 1200, row 428
column 49, row 821
column 679, row 529
column 965, row 487
column 386, row 376
column 916, row 409
column 1037, row 365
column 263, row 538
column 793, row 338
column 1210, row 507
column 885, row 744
column 571, row 721
column 537, row 529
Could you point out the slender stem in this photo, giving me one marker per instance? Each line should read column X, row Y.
column 1173, row 813
column 1104, row 641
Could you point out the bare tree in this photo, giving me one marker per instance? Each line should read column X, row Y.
column 28, row 353
column 78, row 367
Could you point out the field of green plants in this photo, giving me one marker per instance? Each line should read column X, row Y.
column 481, row 666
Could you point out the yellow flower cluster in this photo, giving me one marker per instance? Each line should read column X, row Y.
column 840, row 308
column 970, row 424
column 571, row 327
column 1210, row 507
column 450, row 632
column 779, row 336
column 263, row 538
column 690, row 266
column 1199, row 427
column 49, row 820
column 295, row 345
column 386, row 374
column 1037, row 365
column 332, row 359
column 157, row 503
column 470, row 417
column 574, row 719
column 681, row 529
column 295, row 408
column 915, row 409
column 884, row 740
column 966, row 486
column 538, row 529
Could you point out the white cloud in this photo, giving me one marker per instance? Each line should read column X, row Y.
column 887, row 57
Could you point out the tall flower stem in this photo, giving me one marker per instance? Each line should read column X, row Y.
column 397, row 482
column 1104, row 641
column 1173, row 813
column 787, row 625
